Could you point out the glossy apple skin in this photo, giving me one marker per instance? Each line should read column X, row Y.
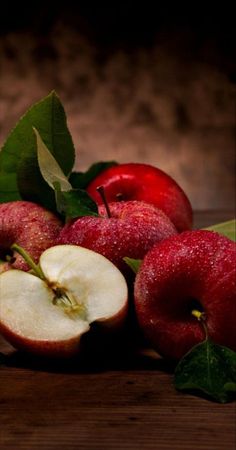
column 146, row 183
column 131, row 231
column 184, row 271
column 29, row 225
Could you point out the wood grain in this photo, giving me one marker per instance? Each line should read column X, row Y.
column 121, row 402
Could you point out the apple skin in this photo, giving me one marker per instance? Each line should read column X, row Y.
column 29, row 225
column 193, row 269
column 131, row 231
column 48, row 349
column 144, row 182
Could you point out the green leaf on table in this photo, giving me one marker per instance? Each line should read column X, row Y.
column 49, row 168
column 81, row 180
column 8, row 187
column 74, row 203
column 228, row 229
column 210, row 369
column 18, row 156
column 134, row 264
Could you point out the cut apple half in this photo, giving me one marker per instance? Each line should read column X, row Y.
column 48, row 316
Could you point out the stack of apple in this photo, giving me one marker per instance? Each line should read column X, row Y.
column 67, row 277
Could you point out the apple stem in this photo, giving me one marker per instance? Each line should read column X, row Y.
column 198, row 314
column 25, row 255
column 201, row 317
column 101, row 191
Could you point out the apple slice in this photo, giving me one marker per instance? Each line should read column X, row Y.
column 48, row 316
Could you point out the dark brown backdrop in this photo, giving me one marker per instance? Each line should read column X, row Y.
column 139, row 83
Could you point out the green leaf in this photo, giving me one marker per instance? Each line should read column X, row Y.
column 210, row 369
column 74, row 203
column 19, row 155
column 228, row 229
column 134, row 264
column 70, row 202
column 81, row 180
column 49, row 168
column 8, row 187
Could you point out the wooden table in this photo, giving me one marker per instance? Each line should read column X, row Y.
column 126, row 402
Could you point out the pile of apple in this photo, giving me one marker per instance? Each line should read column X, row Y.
column 57, row 279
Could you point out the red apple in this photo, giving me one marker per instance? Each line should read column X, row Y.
column 193, row 270
column 28, row 225
column 144, row 182
column 133, row 228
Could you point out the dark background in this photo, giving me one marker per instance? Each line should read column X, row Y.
column 126, row 23
column 140, row 82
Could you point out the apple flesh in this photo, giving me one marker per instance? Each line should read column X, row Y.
column 191, row 271
column 49, row 316
column 29, row 225
column 133, row 181
column 133, row 228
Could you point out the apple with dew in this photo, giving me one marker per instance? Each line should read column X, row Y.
column 134, row 181
column 49, row 313
column 126, row 229
column 191, row 274
column 29, row 225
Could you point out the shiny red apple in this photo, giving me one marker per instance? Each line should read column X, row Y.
column 133, row 228
column 29, row 225
column 133, row 181
column 195, row 270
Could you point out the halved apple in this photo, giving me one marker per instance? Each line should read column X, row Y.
column 48, row 316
